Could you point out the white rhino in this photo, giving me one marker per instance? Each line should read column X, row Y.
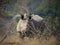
column 26, row 22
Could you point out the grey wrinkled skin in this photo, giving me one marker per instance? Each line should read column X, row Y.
column 35, row 26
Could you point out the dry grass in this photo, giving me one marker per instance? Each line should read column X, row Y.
column 15, row 40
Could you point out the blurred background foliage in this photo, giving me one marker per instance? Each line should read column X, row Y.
column 40, row 7
column 49, row 9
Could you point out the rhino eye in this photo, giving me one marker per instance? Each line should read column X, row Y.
column 29, row 17
column 22, row 17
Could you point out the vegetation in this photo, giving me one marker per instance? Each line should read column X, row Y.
column 48, row 9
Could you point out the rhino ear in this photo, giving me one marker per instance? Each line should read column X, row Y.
column 30, row 17
column 22, row 16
